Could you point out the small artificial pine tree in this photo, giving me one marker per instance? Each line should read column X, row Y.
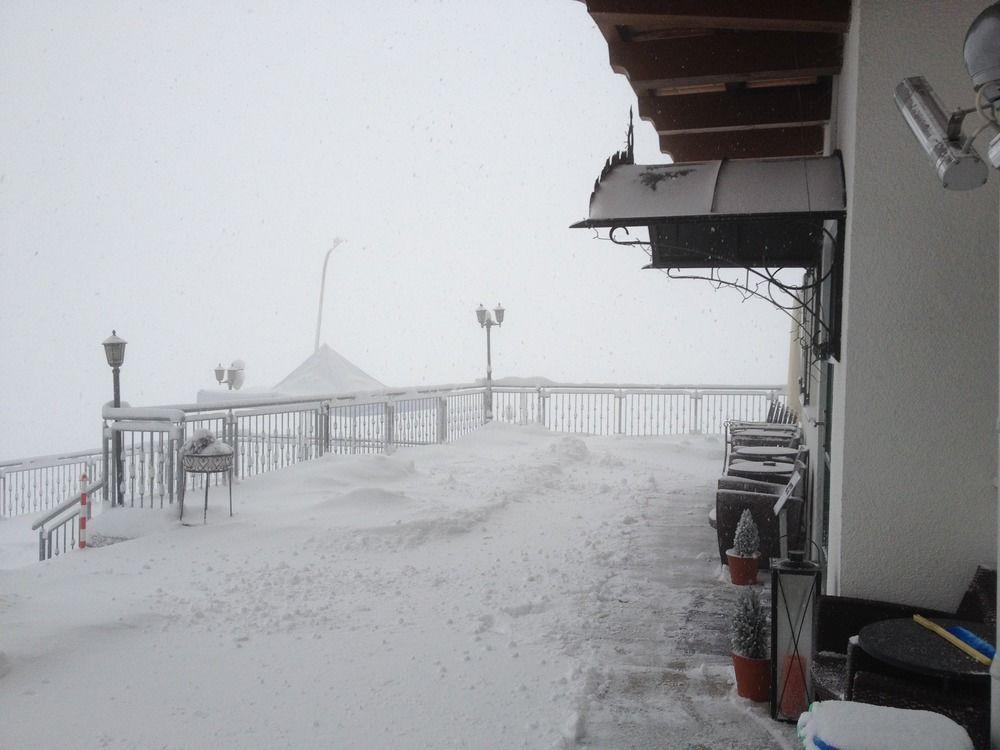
column 750, row 631
column 746, row 540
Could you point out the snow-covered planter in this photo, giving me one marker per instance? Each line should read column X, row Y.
column 744, row 555
column 203, row 453
column 750, row 646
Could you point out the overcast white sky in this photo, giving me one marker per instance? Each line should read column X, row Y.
column 178, row 170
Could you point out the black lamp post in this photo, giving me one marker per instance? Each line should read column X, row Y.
column 114, row 350
column 487, row 321
column 795, row 590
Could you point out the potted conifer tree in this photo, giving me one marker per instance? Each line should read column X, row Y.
column 750, row 646
column 744, row 555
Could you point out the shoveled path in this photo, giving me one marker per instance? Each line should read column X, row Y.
column 659, row 637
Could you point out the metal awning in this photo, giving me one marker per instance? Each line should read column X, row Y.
column 758, row 213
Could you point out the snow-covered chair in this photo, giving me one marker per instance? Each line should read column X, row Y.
column 856, row 726
column 729, row 506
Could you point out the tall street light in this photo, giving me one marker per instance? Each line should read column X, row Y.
column 322, row 288
column 487, row 321
column 114, row 350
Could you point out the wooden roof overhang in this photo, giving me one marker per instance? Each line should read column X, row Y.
column 726, row 79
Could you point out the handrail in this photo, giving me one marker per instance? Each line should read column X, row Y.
column 17, row 464
column 67, row 504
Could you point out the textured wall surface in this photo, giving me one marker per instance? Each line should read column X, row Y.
column 913, row 498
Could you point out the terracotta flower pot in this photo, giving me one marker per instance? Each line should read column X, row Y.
column 753, row 677
column 742, row 570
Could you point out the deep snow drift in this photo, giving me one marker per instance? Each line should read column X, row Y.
column 518, row 588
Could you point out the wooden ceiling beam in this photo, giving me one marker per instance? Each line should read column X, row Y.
column 744, row 144
column 726, row 57
column 741, row 109
column 831, row 16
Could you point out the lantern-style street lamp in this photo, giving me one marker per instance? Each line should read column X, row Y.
column 487, row 321
column 114, row 350
column 232, row 376
column 795, row 589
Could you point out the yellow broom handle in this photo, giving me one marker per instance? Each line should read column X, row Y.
column 953, row 640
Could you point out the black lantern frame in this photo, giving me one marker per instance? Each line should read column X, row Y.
column 795, row 589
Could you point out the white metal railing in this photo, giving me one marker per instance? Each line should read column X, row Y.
column 57, row 529
column 270, row 434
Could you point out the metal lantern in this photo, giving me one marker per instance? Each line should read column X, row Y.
column 114, row 350
column 220, row 373
column 482, row 315
column 498, row 311
column 795, row 589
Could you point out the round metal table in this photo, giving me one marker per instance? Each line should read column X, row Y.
column 207, row 464
column 761, row 469
column 906, row 644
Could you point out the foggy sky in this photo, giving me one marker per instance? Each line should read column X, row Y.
column 177, row 171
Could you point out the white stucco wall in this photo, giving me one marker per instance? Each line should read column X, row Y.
column 913, row 506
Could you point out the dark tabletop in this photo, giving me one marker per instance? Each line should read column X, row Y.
column 907, row 644
column 761, row 467
column 759, row 433
column 765, row 451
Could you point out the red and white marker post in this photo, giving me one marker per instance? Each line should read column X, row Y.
column 83, row 510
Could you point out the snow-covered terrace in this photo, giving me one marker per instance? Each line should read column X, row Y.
column 515, row 588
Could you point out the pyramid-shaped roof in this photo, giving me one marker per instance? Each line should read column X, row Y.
column 326, row 372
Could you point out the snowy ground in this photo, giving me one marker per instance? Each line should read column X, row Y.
column 518, row 588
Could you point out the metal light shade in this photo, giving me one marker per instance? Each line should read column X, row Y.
column 795, row 588
column 498, row 312
column 481, row 315
column 220, row 373
column 114, row 350
column 982, row 45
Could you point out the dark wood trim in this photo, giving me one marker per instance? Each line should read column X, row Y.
column 745, row 144
column 726, row 57
column 832, row 16
column 740, row 109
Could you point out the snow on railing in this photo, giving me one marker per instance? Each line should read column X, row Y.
column 270, row 434
column 57, row 529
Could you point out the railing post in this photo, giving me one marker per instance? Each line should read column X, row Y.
column 232, row 428
column 41, row 544
column 442, row 420
column 105, row 461
column 696, row 407
column 169, row 473
column 84, row 511
column 619, row 413
column 390, row 419
column 324, row 428
column 540, row 415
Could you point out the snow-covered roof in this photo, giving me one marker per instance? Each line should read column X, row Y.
column 325, row 372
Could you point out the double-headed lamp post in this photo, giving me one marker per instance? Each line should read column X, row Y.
column 487, row 321
column 232, row 376
column 114, row 350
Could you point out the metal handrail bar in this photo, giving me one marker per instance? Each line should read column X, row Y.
column 149, row 413
column 319, row 398
column 641, row 386
column 50, row 460
column 666, row 390
column 67, row 503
